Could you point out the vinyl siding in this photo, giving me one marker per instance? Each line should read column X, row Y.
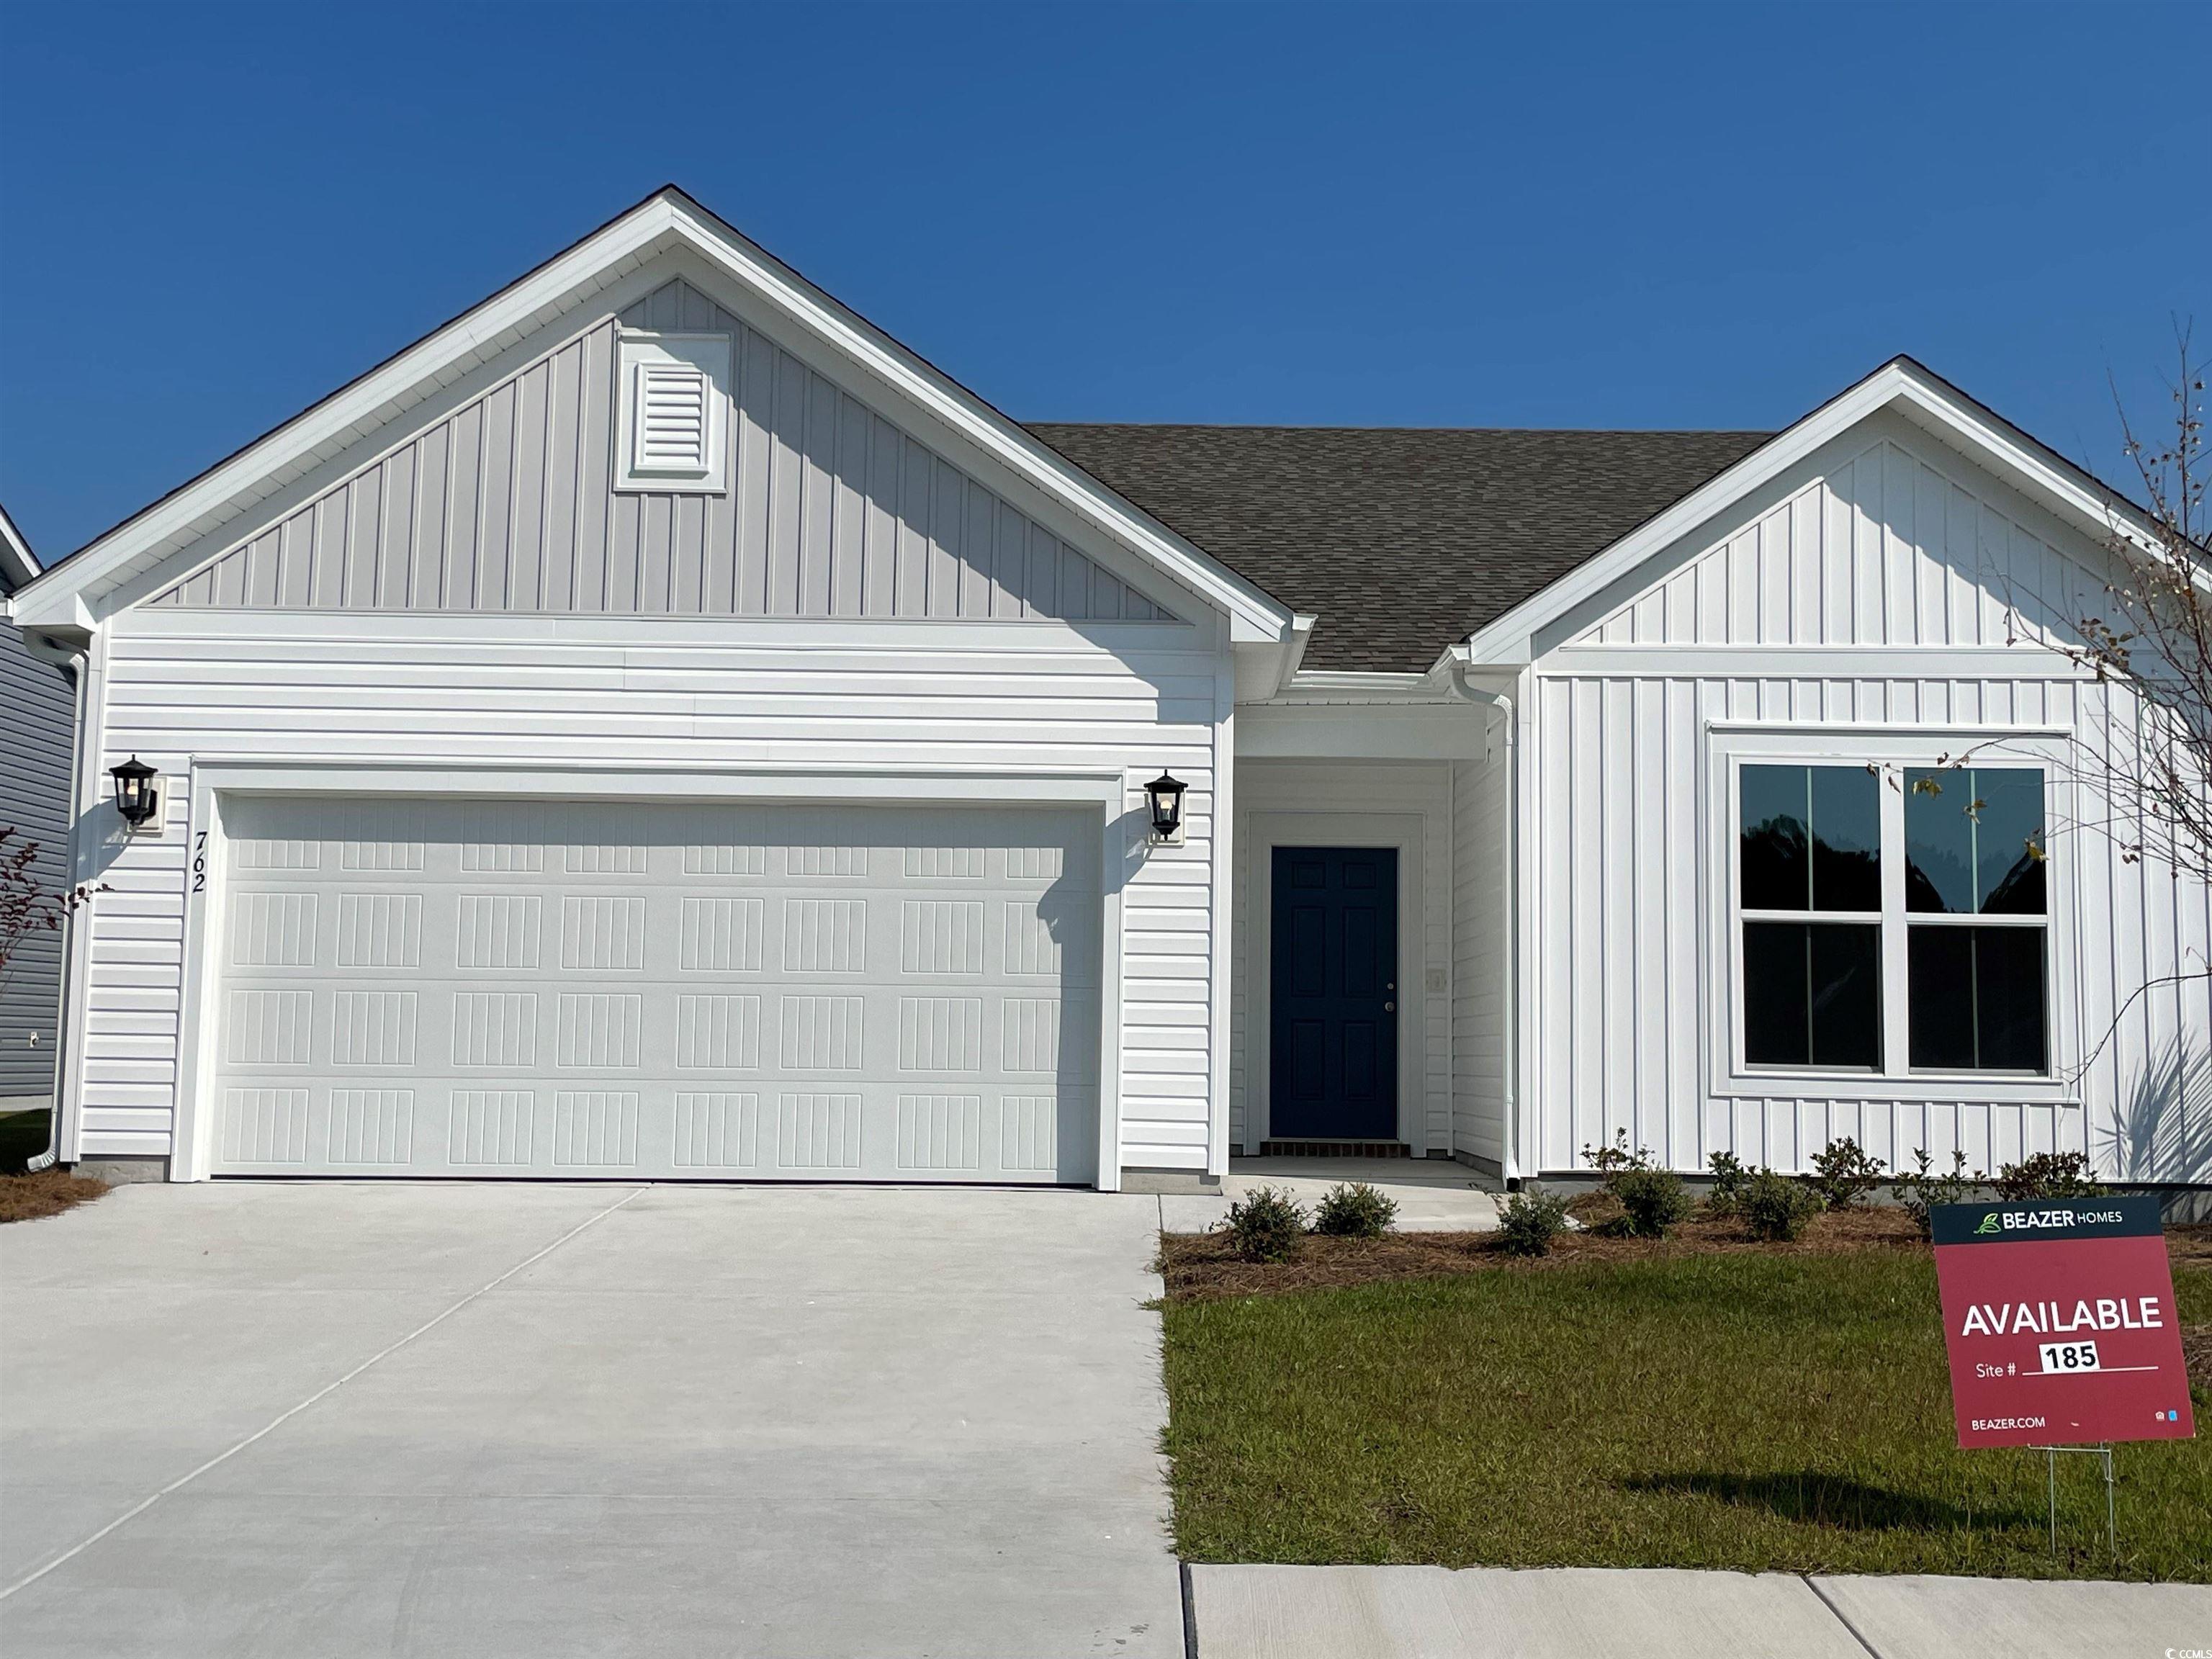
column 509, row 505
column 36, row 712
column 1482, row 956
column 1900, row 546
column 449, row 691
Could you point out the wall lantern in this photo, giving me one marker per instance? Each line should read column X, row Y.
column 1163, row 795
column 136, row 798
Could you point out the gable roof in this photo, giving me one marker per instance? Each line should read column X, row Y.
column 668, row 220
column 1910, row 389
column 1403, row 540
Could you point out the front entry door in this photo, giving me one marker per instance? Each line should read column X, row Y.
column 1333, row 1068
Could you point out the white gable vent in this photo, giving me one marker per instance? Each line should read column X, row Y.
column 674, row 425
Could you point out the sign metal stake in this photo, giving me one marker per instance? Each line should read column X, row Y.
column 2051, row 1477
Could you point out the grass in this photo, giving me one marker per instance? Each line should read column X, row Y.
column 1758, row 1410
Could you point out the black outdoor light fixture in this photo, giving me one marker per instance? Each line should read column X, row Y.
column 136, row 798
column 1163, row 794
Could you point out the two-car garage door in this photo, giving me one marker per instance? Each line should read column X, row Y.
column 620, row 988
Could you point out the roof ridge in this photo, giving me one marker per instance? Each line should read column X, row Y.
column 1484, row 431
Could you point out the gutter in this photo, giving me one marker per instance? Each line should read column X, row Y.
column 72, row 661
column 1499, row 706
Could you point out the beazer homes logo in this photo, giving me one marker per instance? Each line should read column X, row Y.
column 2016, row 1220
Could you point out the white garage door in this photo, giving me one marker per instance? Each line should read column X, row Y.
column 736, row 991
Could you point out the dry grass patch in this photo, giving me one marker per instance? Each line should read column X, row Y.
column 29, row 1197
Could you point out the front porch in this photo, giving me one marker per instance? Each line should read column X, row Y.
column 1370, row 947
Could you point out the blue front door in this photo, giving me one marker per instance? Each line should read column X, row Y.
column 1332, row 1065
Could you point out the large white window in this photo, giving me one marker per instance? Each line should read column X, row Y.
column 1889, row 916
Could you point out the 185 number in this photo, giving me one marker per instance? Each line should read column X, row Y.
column 2068, row 1355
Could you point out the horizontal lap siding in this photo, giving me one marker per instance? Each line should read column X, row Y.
column 36, row 710
column 235, row 689
column 1482, row 951
column 1617, row 1014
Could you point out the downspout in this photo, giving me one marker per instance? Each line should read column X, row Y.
column 1499, row 705
column 72, row 661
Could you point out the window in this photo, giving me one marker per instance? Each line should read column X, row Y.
column 1811, row 891
column 1892, row 919
column 673, row 426
column 1974, row 889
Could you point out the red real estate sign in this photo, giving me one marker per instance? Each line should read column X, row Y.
column 2060, row 1320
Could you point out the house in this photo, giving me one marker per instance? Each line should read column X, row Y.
column 37, row 711
column 657, row 724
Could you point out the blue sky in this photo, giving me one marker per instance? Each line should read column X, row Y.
column 1451, row 216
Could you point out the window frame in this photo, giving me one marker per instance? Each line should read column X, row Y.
column 1893, row 751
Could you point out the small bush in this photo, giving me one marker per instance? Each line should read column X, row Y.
column 1266, row 1224
column 1530, row 1221
column 1728, row 1178
column 1651, row 1200
column 1775, row 1206
column 1609, row 1161
column 2048, row 1174
column 1843, row 1174
column 1354, row 1210
column 1921, row 1191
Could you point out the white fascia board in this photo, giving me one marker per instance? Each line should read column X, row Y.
column 18, row 566
column 1510, row 638
column 984, row 428
column 330, row 428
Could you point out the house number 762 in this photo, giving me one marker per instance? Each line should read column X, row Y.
column 199, row 860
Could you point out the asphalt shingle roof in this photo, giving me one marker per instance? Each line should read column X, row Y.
column 1403, row 540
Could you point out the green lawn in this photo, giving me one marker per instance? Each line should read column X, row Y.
column 1753, row 1412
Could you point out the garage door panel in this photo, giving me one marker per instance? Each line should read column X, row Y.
column 617, row 988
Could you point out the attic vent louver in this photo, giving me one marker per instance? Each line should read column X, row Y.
column 672, row 419
column 675, row 398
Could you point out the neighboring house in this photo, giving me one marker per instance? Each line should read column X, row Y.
column 658, row 725
column 36, row 708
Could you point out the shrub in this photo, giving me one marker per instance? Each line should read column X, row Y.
column 2048, row 1174
column 1921, row 1191
column 1530, row 1221
column 1266, row 1225
column 1609, row 1161
column 1843, row 1174
column 1354, row 1210
column 1775, row 1206
column 1728, row 1178
column 1651, row 1200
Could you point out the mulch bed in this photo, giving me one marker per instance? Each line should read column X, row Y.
column 1204, row 1266
column 28, row 1197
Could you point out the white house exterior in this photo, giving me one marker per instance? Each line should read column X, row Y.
column 36, row 710
column 657, row 725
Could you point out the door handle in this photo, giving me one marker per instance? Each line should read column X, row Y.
column 1389, row 1007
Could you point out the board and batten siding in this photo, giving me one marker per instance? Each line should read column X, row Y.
column 508, row 504
column 635, row 694
column 1903, row 552
column 1279, row 790
column 37, row 712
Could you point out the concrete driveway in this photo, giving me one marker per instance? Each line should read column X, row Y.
column 426, row 1418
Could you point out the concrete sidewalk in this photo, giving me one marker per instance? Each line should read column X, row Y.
column 1585, row 1612
column 1433, row 1194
